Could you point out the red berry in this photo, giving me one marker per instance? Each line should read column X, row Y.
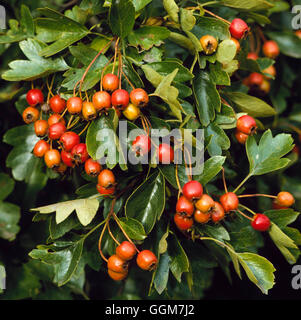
column 126, row 251
column 165, row 153
column 139, row 97
column 192, row 190
column 89, row 111
column 217, row 212
column 106, row 179
column 57, row 104
column 120, row 98
column 229, row 201
column 270, row 49
column 55, row 118
column 56, row 130
column 30, row 115
column 246, row 124
column 52, row 158
column 40, row 148
column 183, row 222
column 238, row 28
column 34, row 96
column 79, row 153
column 69, row 139
column 298, row 34
column 105, row 191
column 285, row 199
column 41, row 128
column 241, row 137
column 205, row 203
column 271, row 71
column 67, row 158
column 261, row 222
column 146, row 260
column 75, row 105
column 110, row 82
column 117, row 264
column 252, row 56
column 185, row 206
column 255, row 79
column 101, row 100
column 142, row 145
column 201, row 217
column 117, row 276
column 92, row 168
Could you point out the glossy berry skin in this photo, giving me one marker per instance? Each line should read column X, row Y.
column 192, row 190
column 126, row 251
column 41, row 128
column 229, row 201
column 238, row 28
column 120, row 98
column 106, row 179
column 52, row 158
column 201, row 217
column 217, row 212
column 209, row 44
column 101, row 100
column 271, row 71
column 69, row 139
column 184, row 206
column 79, row 153
column 34, row 97
column 57, row 104
column 255, row 79
column 117, row 276
column 110, row 82
column 146, row 260
column 131, row 112
column 260, row 222
column 89, row 111
column 142, row 145
column 205, row 203
column 105, row 191
column 30, row 115
column 116, row 264
column 285, row 199
column 67, row 158
column 241, row 137
column 139, row 97
column 74, row 105
column 165, row 153
column 55, row 118
column 246, row 124
column 92, row 168
column 270, row 49
column 56, row 130
column 40, row 148
column 252, row 56
column 183, row 222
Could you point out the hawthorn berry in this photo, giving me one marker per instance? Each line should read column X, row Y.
column 260, row 222
column 110, row 82
column 61, row 169
column 105, row 191
column 116, row 264
column 126, row 251
column 79, row 153
column 41, row 128
column 298, row 34
column 89, row 111
column 131, row 112
column 229, row 201
column 147, row 260
column 69, row 139
column 236, row 42
column 57, row 104
column 285, row 199
column 74, row 105
column 252, row 56
column 271, row 71
column 165, row 153
column 67, row 158
column 40, row 148
column 139, row 97
column 106, row 179
column 120, row 98
column 117, row 276
column 56, row 130
column 192, row 190
column 34, row 97
column 217, row 212
column 202, row 217
column 246, row 124
column 101, row 100
column 183, row 222
column 55, row 118
column 255, row 79
column 142, row 145
column 238, row 28
column 52, row 158
column 241, row 137
column 92, row 168
column 184, row 206
column 270, row 49
column 265, row 86
column 30, row 115
column 205, row 203
column 209, row 44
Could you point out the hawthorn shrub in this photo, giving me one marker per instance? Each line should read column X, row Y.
column 77, row 220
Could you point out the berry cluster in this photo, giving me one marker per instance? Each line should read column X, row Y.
column 118, row 264
column 245, row 126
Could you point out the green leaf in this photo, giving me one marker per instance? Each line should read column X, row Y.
column 7, row 185
column 147, row 202
column 140, row 4
column 218, row 75
column 252, row 5
column 122, row 17
column 219, row 140
column 182, row 41
column 253, row 106
column 213, row 27
column 267, row 156
column 226, row 51
column 86, row 210
column 34, row 68
column 282, row 217
column 133, row 228
column 206, row 96
column 187, row 20
column 148, row 36
column 172, row 9
column 58, row 230
column 217, row 232
column 60, row 30
column 162, row 273
column 9, row 217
